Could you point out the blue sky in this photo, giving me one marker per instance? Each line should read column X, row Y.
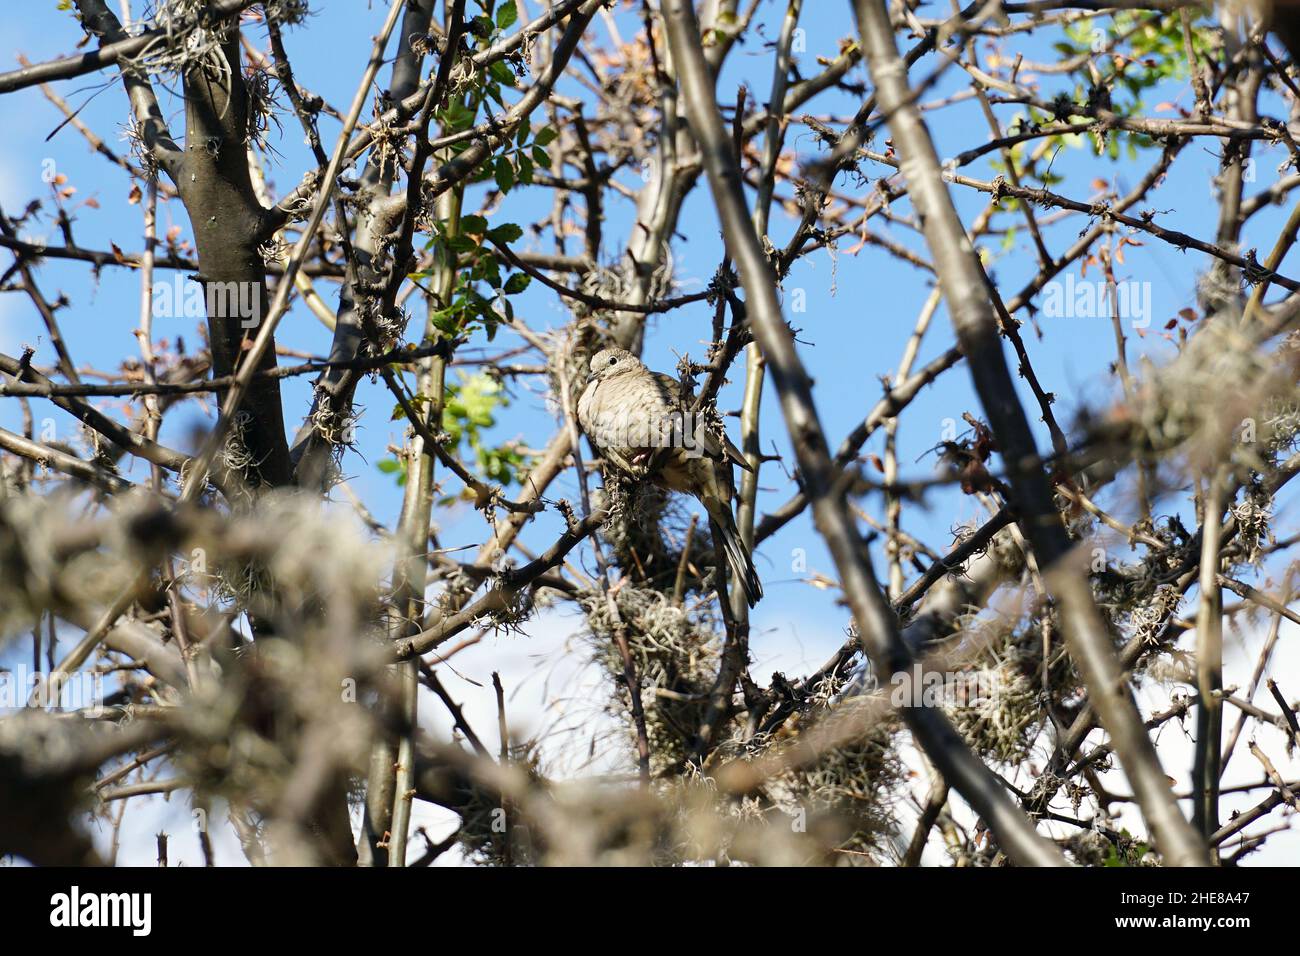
column 860, row 309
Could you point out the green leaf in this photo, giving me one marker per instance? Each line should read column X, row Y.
column 542, row 157
column 504, row 174
column 473, row 225
column 517, row 283
column 507, row 15
column 447, row 321
column 506, row 233
column 393, row 466
column 546, row 137
column 493, row 90
column 457, row 117
column 489, row 268
column 525, row 170
column 502, row 73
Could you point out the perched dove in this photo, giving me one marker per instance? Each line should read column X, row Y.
column 642, row 426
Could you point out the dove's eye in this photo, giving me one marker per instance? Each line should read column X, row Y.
column 613, row 360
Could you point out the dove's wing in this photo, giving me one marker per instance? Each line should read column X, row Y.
column 715, row 446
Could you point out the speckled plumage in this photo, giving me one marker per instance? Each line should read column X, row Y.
column 639, row 422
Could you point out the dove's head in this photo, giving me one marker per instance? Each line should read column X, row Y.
column 608, row 363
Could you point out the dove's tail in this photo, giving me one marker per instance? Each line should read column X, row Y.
column 724, row 529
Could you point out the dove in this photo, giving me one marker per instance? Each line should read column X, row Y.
column 640, row 423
